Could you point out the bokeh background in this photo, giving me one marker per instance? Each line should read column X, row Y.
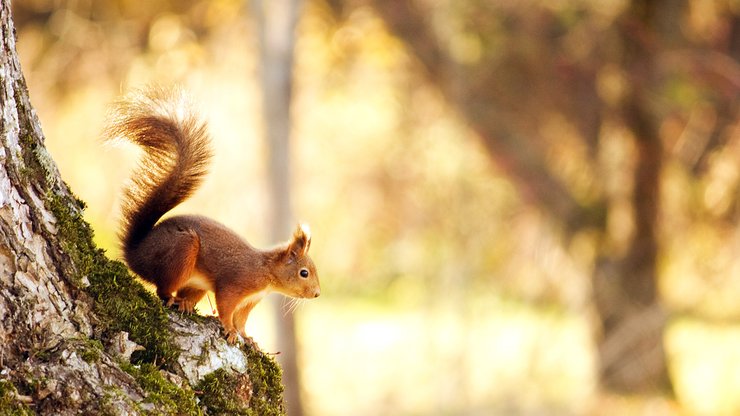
column 518, row 207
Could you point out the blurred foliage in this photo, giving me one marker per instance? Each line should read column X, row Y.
column 444, row 289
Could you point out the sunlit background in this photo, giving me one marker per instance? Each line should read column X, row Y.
column 447, row 288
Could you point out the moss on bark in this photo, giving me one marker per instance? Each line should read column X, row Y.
column 9, row 403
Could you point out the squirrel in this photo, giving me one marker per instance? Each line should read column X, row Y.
column 185, row 256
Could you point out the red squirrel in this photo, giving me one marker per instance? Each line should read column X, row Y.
column 187, row 255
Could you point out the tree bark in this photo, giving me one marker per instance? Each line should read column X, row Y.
column 79, row 335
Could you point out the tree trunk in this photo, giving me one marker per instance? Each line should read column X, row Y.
column 276, row 21
column 78, row 335
column 631, row 352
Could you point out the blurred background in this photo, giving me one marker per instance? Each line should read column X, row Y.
column 518, row 207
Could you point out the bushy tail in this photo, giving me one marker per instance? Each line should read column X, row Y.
column 177, row 152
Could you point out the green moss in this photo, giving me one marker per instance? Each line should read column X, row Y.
column 9, row 405
column 89, row 350
column 258, row 392
column 225, row 393
column 267, row 387
column 121, row 303
column 126, row 305
column 165, row 395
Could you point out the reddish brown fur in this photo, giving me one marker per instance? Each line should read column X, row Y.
column 187, row 255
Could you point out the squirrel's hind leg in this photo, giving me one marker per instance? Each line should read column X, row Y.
column 178, row 264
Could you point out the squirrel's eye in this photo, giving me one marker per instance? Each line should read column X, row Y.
column 304, row 273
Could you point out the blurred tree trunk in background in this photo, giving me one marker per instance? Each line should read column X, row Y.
column 631, row 352
column 276, row 22
column 507, row 91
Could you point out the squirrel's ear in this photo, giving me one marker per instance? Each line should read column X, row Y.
column 301, row 241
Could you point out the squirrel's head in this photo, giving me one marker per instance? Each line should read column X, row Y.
column 295, row 273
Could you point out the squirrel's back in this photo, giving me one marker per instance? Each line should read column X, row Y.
column 176, row 154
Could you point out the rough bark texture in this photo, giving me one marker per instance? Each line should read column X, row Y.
column 79, row 335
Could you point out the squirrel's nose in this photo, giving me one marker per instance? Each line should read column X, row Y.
column 317, row 293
